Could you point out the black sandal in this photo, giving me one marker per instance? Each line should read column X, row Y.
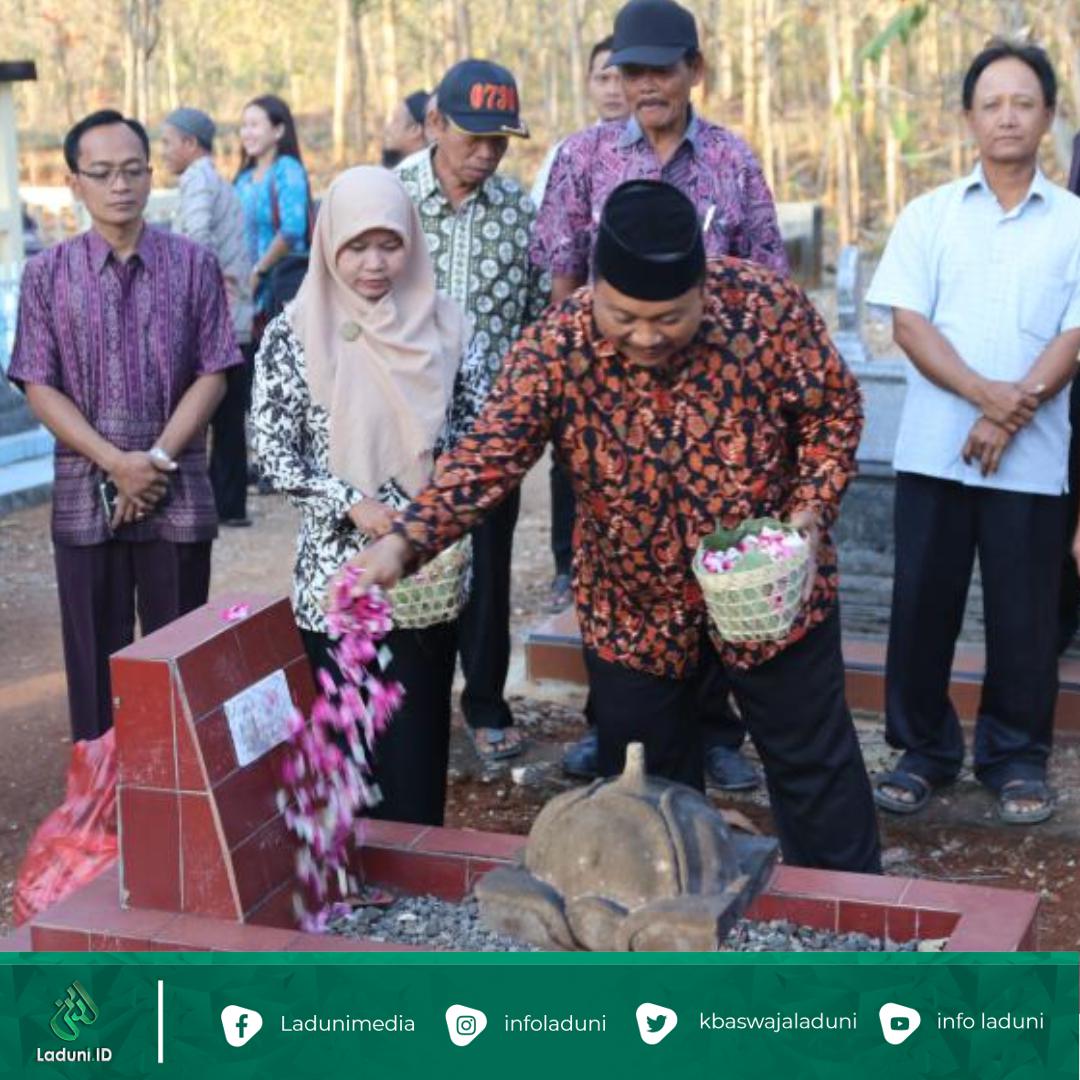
column 920, row 787
column 1025, row 790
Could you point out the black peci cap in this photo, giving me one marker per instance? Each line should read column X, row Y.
column 653, row 33
column 649, row 245
column 481, row 98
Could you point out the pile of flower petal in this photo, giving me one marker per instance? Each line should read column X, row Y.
column 755, row 550
column 326, row 774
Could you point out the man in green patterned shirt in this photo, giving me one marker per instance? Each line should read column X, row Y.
column 478, row 226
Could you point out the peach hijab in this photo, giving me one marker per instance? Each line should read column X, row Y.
column 383, row 370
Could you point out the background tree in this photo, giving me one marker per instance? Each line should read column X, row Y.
column 851, row 102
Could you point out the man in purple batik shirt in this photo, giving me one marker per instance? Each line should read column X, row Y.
column 123, row 339
column 656, row 48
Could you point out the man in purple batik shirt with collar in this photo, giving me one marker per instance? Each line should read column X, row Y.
column 656, row 48
column 123, row 339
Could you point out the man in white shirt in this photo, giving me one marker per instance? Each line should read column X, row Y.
column 983, row 276
column 604, row 88
column 608, row 100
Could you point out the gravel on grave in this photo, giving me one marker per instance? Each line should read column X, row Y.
column 430, row 923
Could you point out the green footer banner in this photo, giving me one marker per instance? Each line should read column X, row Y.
column 512, row 1016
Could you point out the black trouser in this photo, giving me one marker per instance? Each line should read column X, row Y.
column 795, row 711
column 100, row 587
column 1069, row 607
column 484, row 623
column 719, row 724
column 228, row 442
column 410, row 757
column 562, row 518
column 940, row 526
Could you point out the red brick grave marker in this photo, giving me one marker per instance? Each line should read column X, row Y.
column 201, row 708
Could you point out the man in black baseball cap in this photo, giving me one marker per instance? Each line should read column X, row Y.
column 477, row 223
column 654, row 33
column 656, row 48
column 646, row 384
column 481, row 98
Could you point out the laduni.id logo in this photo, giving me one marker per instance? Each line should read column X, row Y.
column 74, row 1012
column 898, row 1022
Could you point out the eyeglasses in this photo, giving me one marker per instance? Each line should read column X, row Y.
column 107, row 177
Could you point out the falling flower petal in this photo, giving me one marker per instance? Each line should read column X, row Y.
column 324, row 787
column 236, row 612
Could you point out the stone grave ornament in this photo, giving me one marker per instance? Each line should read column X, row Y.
column 632, row 863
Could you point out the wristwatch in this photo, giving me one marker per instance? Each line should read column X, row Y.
column 160, row 457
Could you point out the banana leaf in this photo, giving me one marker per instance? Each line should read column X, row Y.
column 720, row 539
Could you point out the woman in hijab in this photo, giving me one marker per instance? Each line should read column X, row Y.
column 358, row 387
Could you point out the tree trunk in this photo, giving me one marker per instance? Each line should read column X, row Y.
column 391, row 88
column 1068, row 49
column 464, row 29
column 783, row 176
column 171, row 70
column 551, row 94
column 61, row 40
column 749, row 74
column 357, row 22
column 851, row 140
column 766, row 64
column 956, row 144
column 451, row 44
column 841, row 161
column 341, row 79
column 129, row 59
column 869, row 101
column 725, row 57
column 576, row 11
column 143, row 26
column 891, row 162
column 296, row 83
column 142, row 85
column 428, row 57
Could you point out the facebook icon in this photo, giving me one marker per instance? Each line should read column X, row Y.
column 240, row 1024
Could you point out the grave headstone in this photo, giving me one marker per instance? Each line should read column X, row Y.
column 866, row 518
column 200, row 708
column 802, row 227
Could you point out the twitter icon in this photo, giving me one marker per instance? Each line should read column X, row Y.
column 655, row 1022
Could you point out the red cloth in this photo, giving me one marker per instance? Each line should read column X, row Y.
column 77, row 841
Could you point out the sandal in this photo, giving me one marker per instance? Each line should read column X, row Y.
column 1036, row 791
column 919, row 786
column 496, row 744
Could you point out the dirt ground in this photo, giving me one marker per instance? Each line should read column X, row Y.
column 958, row 841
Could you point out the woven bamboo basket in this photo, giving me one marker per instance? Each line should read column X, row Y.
column 757, row 604
column 436, row 592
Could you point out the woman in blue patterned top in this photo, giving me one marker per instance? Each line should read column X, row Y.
column 274, row 189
